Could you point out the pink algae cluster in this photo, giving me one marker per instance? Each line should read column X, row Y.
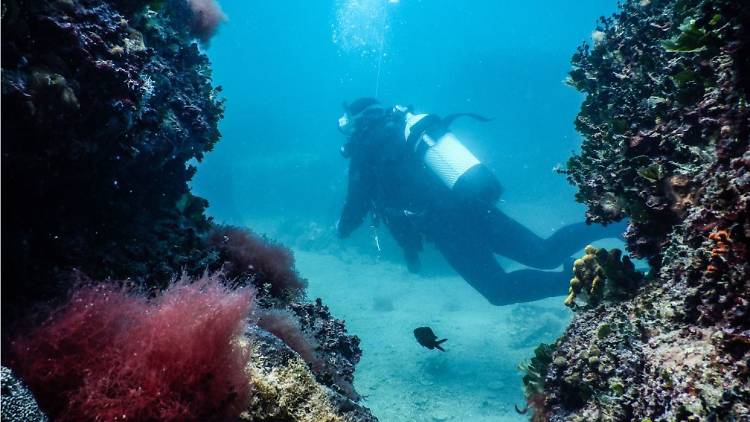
column 109, row 354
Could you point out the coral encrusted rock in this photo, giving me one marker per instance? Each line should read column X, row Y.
column 104, row 104
column 106, row 107
column 285, row 389
column 18, row 404
column 666, row 127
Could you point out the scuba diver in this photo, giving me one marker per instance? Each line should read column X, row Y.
column 410, row 172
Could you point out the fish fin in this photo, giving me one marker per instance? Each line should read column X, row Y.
column 521, row 411
column 439, row 342
column 437, row 346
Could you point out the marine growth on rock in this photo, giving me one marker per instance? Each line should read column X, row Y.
column 666, row 127
column 107, row 105
column 602, row 274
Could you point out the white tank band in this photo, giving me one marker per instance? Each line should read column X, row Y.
column 411, row 120
column 449, row 159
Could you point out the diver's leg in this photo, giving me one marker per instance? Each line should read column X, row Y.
column 408, row 238
column 476, row 263
column 515, row 241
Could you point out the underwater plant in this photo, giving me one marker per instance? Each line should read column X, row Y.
column 207, row 16
column 247, row 257
column 110, row 354
column 284, row 325
column 534, row 373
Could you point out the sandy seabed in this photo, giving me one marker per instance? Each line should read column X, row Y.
column 476, row 379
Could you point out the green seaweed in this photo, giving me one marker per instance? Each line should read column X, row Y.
column 619, row 126
column 536, row 370
column 604, row 331
column 691, row 38
column 684, row 77
column 616, row 386
column 715, row 19
column 653, row 172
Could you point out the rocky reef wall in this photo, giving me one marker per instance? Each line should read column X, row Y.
column 106, row 108
column 666, row 128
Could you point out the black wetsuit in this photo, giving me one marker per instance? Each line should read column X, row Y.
column 385, row 179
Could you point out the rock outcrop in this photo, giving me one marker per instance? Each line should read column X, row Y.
column 666, row 128
column 18, row 404
column 106, row 107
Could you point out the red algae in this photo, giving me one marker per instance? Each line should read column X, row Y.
column 112, row 355
column 207, row 16
column 243, row 253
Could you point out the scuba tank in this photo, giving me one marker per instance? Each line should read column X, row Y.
column 430, row 140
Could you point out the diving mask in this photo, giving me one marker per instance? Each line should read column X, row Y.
column 348, row 124
column 345, row 125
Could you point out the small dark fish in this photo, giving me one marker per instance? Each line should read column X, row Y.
column 428, row 339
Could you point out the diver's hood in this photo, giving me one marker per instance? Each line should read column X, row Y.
column 349, row 123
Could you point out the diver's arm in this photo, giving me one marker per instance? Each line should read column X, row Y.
column 358, row 201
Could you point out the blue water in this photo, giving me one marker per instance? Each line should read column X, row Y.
column 286, row 67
